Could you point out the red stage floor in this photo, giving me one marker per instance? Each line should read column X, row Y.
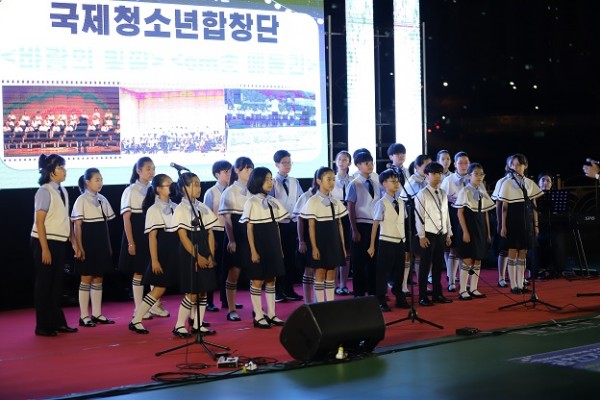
column 109, row 356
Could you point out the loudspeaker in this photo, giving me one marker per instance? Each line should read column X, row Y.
column 315, row 331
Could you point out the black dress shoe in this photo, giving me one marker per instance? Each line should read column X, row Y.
column 212, row 308
column 516, row 290
column 279, row 298
column 87, row 322
column 275, row 320
column 44, row 332
column 66, row 329
column 385, row 308
column 465, row 296
column 101, row 319
column 441, row 300
column 204, row 331
column 177, row 331
column 426, row 302
column 233, row 316
column 525, row 290
column 293, row 296
column 261, row 323
column 134, row 327
column 477, row 294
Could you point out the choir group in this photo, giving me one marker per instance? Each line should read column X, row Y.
column 376, row 227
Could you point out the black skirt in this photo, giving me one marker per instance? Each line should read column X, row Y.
column 329, row 243
column 477, row 248
column 168, row 259
column 519, row 227
column 242, row 252
column 196, row 280
column 98, row 256
column 135, row 264
column 455, row 224
column 268, row 246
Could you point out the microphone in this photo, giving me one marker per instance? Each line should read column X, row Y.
column 179, row 167
column 592, row 161
column 512, row 171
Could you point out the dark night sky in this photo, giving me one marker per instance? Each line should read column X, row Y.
column 522, row 76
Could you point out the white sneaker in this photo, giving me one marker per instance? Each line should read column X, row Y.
column 158, row 310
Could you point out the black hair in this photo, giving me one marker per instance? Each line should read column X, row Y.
column 314, row 187
column 507, row 165
column 433, row 168
column 411, row 168
column 347, row 154
column 522, row 160
column 185, row 179
column 319, row 175
column 257, row 179
column 421, row 158
column 280, row 154
column 240, row 163
column 151, row 194
column 473, row 166
column 387, row 174
column 222, row 165
column 362, row 157
column 47, row 165
column 138, row 165
column 87, row 175
column 396, row 148
column 361, row 150
column 439, row 153
column 459, row 155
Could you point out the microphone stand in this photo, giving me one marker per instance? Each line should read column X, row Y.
column 412, row 313
column 528, row 205
column 199, row 336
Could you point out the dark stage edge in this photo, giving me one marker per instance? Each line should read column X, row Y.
column 455, row 367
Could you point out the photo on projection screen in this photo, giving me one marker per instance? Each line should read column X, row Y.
column 103, row 83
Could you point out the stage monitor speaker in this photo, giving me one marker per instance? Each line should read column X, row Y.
column 315, row 331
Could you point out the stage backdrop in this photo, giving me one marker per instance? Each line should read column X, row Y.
column 191, row 82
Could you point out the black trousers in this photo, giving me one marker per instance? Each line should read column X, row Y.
column 390, row 266
column 48, row 287
column 363, row 266
column 432, row 255
column 289, row 239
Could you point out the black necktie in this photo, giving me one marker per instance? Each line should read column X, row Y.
column 285, row 186
column 344, row 193
column 62, row 195
column 396, row 207
column 332, row 210
column 370, row 187
column 439, row 201
column 105, row 224
column 271, row 211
